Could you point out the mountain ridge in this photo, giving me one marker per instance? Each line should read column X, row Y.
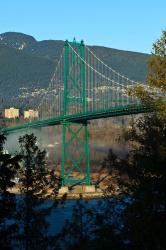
column 28, row 63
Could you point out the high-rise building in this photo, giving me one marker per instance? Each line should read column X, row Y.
column 11, row 113
column 31, row 114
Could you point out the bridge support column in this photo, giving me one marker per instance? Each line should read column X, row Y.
column 75, row 166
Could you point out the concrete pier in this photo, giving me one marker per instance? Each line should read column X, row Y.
column 63, row 190
column 86, row 191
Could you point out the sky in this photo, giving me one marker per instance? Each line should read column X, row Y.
column 132, row 25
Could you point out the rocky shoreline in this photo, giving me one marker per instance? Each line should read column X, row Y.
column 74, row 194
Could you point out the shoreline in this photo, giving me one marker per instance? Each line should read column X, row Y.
column 70, row 195
column 76, row 196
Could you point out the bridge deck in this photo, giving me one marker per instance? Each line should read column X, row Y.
column 80, row 117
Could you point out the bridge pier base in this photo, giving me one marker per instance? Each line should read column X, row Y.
column 89, row 189
column 78, row 190
column 63, row 190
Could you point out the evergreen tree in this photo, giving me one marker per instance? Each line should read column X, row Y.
column 145, row 218
column 141, row 223
column 91, row 227
column 9, row 166
column 77, row 231
column 35, row 183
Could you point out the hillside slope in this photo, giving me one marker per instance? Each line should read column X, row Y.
column 26, row 65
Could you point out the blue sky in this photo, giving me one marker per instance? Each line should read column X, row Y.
column 123, row 24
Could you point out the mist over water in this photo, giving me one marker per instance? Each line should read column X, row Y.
column 12, row 144
column 103, row 135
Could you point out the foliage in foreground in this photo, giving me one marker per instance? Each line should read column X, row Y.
column 37, row 185
column 143, row 220
column 24, row 218
column 9, row 166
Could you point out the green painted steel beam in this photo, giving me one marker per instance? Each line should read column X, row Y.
column 82, row 117
column 74, row 92
column 75, row 181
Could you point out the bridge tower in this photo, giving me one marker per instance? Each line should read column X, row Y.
column 75, row 166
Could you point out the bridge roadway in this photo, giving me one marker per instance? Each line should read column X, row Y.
column 80, row 117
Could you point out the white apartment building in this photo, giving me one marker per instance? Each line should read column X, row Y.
column 31, row 114
column 11, row 113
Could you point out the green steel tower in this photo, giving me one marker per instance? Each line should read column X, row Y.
column 75, row 146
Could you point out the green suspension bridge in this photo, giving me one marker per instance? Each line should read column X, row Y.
column 81, row 89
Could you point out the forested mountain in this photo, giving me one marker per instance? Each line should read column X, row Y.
column 26, row 66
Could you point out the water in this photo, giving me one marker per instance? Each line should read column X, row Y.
column 64, row 211
column 59, row 215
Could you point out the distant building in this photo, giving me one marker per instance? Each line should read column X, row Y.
column 11, row 113
column 31, row 114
